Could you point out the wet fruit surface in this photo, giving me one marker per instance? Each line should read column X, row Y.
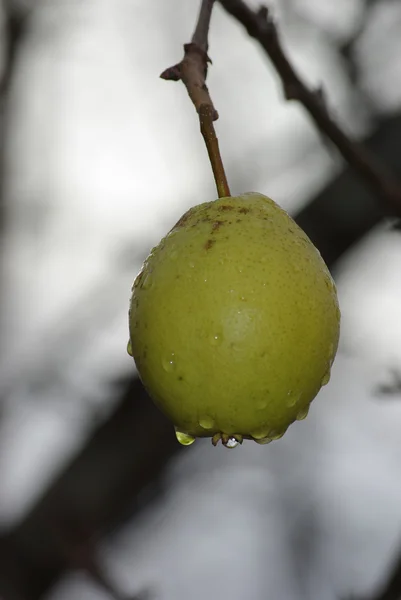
column 234, row 321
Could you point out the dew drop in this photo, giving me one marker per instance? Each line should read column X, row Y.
column 206, row 422
column 168, row 364
column 231, row 443
column 303, row 413
column 184, row 438
column 261, row 434
column 215, row 339
column 263, row 441
column 326, row 378
column 276, row 435
column 292, row 398
column 129, row 348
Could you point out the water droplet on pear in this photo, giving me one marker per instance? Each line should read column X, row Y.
column 169, row 363
column 184, row 438
column 206, row 422
column 303, row 413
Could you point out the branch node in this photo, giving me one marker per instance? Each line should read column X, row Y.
column 172, row 73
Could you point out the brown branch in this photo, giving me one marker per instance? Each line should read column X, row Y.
column 192, row 71
column 201, row 33
column 261, row 27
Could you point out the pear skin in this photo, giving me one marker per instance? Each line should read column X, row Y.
column 234, row 321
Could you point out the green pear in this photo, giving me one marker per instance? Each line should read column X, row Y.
column 234, row 321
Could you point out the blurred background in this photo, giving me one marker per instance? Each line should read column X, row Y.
column 99, row 158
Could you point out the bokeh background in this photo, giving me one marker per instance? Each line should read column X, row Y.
column 99, row 158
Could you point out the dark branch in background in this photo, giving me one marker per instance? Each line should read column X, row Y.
column 261, row 26
column 87, row 561
column 192, row 71
column 14, row 28
column 113, row 478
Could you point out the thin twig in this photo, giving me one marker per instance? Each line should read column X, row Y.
column 261, row 26
column 201, row 33
column 192, row 71
column 15, row 25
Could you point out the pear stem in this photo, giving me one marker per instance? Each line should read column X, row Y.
column 212, row 146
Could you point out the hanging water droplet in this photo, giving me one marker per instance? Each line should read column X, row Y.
column 263, row 441
column 276, row 435
column 303, row 413
column 206, row 422
column 168, row 364
column 231, row 443
column 129, row 348
column 260, row 434
column 326, row 378
column 184, row 438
